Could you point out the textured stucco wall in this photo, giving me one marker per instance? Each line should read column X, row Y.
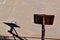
column 22, row 12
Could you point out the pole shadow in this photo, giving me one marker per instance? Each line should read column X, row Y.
column 12, row 26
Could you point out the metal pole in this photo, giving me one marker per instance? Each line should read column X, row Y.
column 43, row 29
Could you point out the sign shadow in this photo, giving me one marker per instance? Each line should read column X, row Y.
column 12, row 26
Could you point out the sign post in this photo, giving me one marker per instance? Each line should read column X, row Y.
column 43, row 20
column 43, row 29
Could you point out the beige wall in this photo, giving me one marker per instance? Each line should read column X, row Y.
column 22, row 12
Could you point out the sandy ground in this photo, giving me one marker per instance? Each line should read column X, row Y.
column 22, row 11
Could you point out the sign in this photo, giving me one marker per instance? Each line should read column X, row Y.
column 38, row 19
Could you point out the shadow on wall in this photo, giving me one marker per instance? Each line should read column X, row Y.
column 12, row 26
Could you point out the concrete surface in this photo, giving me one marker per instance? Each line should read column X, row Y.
column 22, row 11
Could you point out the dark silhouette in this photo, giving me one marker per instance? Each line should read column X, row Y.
column 12, row 26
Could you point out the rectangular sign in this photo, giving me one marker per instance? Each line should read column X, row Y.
column 38, row 19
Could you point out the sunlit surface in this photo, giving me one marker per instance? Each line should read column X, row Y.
column 25, row 38
column 22, row 12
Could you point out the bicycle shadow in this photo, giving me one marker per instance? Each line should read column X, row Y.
column 12, row 26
